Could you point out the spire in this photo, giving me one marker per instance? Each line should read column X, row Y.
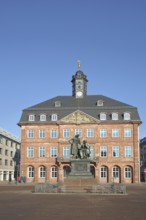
column 78, row 64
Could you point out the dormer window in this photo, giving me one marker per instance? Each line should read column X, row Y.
column 126, row 116
column 31, row 117
column 114, row 116
column 58, row 104
column 43, row 117
column 102, row 116
column 99, row 103
column 54, row 117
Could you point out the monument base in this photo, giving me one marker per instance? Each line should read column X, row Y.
column 80, row 169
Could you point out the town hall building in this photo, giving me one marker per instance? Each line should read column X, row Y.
column 110, row 127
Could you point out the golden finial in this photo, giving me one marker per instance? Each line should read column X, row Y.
column 79, row 64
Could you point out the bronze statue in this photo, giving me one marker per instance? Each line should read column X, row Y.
column 84, row 150
column 75, row 142
column 78, row 149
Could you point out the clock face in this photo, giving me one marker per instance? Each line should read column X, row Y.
column 79, row 93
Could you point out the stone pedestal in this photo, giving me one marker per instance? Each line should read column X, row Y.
column 80, row 169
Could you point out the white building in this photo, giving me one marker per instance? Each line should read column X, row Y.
column 9, row 156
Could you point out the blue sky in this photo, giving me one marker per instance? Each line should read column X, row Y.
column 41, row 40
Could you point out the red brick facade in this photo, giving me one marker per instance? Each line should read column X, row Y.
column 108, row 162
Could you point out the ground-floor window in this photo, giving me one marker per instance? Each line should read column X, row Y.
column 30, row 171
column 42, row 170
column 103, row 172
column 53, row 172
column 116, row 172
column 128, row 172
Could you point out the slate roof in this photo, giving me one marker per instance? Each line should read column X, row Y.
column 70, row 104
column 9, row 135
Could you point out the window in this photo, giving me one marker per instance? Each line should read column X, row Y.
column 11, row 163
column 103, row 132
column 99, row 102
column 115, row 132
column 42, row 170
column 6, row 152
column 0, row 150
column 128, row 151
column 30, row 134
column 42, row 133
column 54, row 172
column 116, row 172
column 7, row 142
column 90, row 132
column 128, row 172
column 78, row 131
column 30, row 171
column 57, row 103
column 11, row 144
column 126, row 116
column 31, row 117
column 1, row 140
column 42, row 117
column 102, row 116
column 103, row 151
column 6, row 162
column 0, row 161
column 116, row 151
column 41, row 151
column 91, row 152
column 54, row 117
column 127, row 132
column 11, row 153
column 114, row 116
column 30, row 152
column 53, row 151
column 66, row 133
column 53, row 133
column 103, row 172
column 66, row 151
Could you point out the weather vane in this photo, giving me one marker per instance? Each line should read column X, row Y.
column 79, row 64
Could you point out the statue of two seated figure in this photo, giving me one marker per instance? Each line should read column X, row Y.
column 78, row 149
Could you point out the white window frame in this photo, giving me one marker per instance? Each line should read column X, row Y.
column 115, row 151
column 115, row 132
column 30, row 133
column 103, row 132
column 127, row 116
column 127, row 132
column 103, row 151
column 42, row 171
column 91, row 152
column 128, row 172
column 78, row 131
column 66, row 132
column 103, row 172
column 42, row 117
column 54, row 172
column 128, row 151
column 114, row 116
column 90, row 132
column 102, row 116
column 42, row 133
column 30, row 171
column 31, row 117
column 42, row 152
column 30, row 152
column 54, row 133
column 116, row 172
column 66, row 151
column 53, row 151
column 54, row 117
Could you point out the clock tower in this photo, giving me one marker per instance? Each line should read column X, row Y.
column 79, row 84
